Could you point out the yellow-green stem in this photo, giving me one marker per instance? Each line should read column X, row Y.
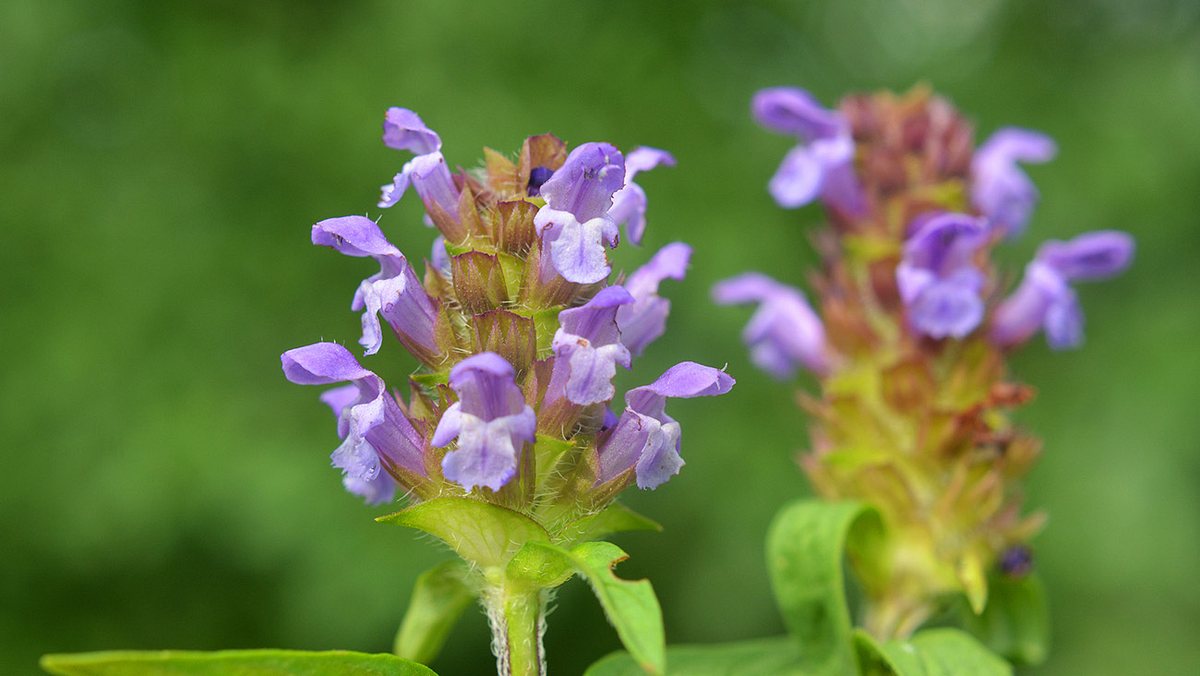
column 517, row 616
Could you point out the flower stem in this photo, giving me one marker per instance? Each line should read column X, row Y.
column 518, row 620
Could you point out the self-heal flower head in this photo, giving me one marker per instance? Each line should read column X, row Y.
column 938, row 281
column 823, row 164
column 629, row 203
column 374, row 430
column 784, row 332
column 588, row 347
column 427, row 171
column 644, row 320
column 394, row 292
column 574, row 223
column 644, row 438
column 1045, row 300
column 999, row 189
column 490, row 420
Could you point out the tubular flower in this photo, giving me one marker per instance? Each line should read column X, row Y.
column 913, row 330
column 508, row 434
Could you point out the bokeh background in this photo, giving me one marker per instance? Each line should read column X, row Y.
column 160, row 165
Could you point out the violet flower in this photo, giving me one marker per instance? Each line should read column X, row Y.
column 629, row 203
column 823, row 164
column 645, row 438
column 574, row 224
column 394, row 292
column 373, row 428
column 491, row 421
column 784, row 332
column 1045, row 300
column 644, row 320
column 427, row 171
column 999, row 189
column 939, row 283
column 588, row 347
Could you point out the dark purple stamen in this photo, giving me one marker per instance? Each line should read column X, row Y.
column 1016, row 561
column 538, row 176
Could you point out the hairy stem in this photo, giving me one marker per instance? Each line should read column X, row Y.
column 518, row 620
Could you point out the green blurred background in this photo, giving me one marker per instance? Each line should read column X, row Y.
column 160, row 164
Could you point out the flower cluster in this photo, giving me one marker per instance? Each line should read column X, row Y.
column 913, row 330
column 517, row 331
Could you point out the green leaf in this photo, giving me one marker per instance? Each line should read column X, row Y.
column 631, row 606
column 1016, row 621
column 774, row 656
column 933, row 652
column 232, row 663
column 616, row 518
column 540, row 567
column 439, row 598
column 804, row 554
column 480, row 532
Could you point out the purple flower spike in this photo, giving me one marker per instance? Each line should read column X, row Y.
column 784, row 332
column 938, row 281
column 999, row 189
column 629, row 204
column 491, row 421
column 1044, row 299
column 823, row 165
column 644, row 320
column 645, row 437
column 588, row 346
column 373, row 428
column 394, row 292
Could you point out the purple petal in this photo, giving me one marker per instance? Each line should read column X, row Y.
column 950, row 306
column 629, row 203
column 390, row 193
column 491, row 421
column 431, row 179
column 647, row 439
column 404, row 130
column 377, row 491
column 1024, row 312
column 370, row 422
column 999, row 189
column 585, row 184
column 1064, row 322
column 644, row 158
column 784, row 332
column 587, row 348
column 945, row 242
column 576, row 249
column 795, row 112
column 395, row 292
column 439, row 257
column 644, row 320
column 1092, row 256
column 798, row 180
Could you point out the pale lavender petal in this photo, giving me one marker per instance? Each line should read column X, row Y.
column 577, row 249
column 585, row 184
column 1064, row 322
column 377, row 491
column 1024, row 312
column 793, row 111
column 949, row 306
column 999, row 188
column 644, row 158
column 644, row 320
column 394, row 293
column 645, row 438
column 431, row 179
column 371, row 424
column 491, row 421
column 1091, row 256
column 798, row 180
column 784, row 332
column 404, row 130
column 439, row 257
column 587, row 347
column 945, row 242
column 629, row 203
column 390, row 193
